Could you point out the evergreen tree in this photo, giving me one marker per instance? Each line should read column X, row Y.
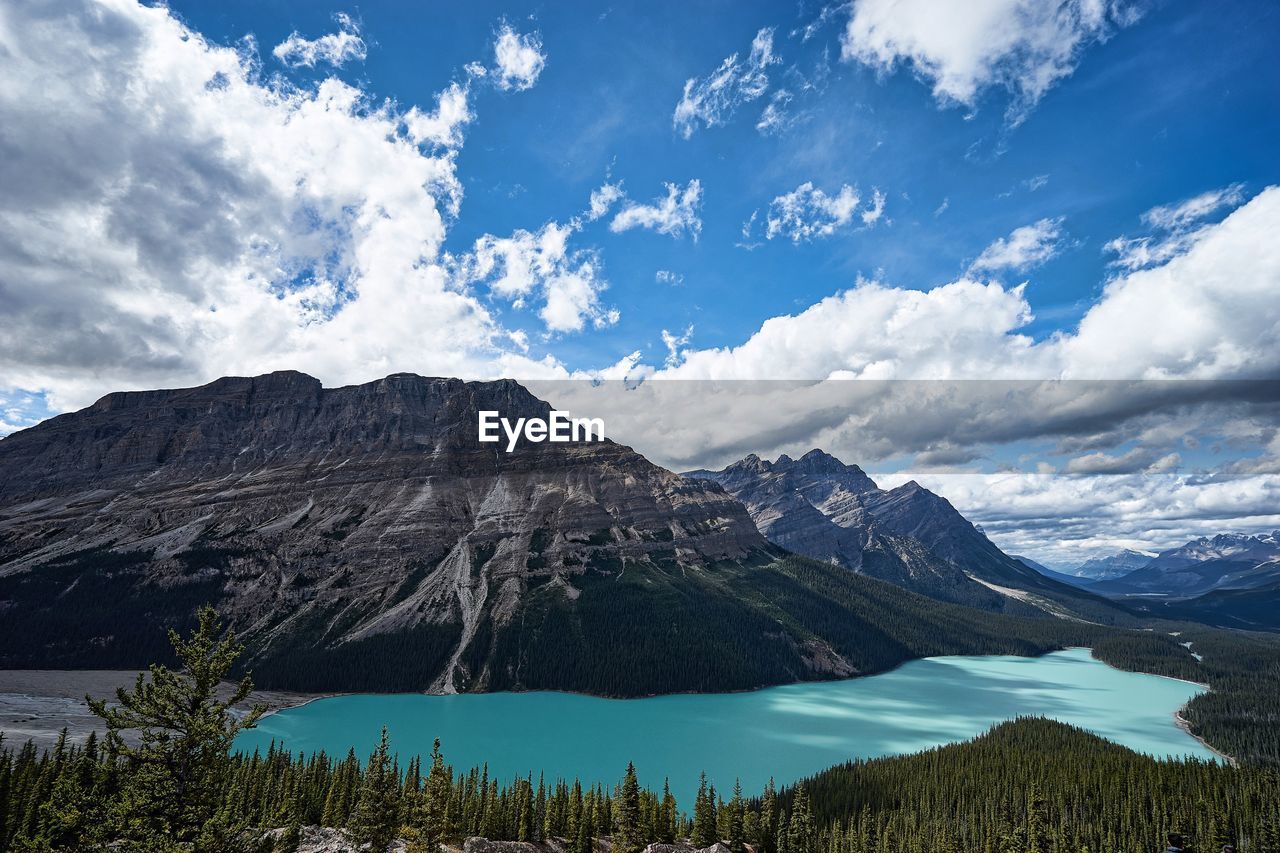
column 704, row 817
column 627, row 838
column 428, row 819
column 177, row 771
column 376, row 816
column 737, row 818
column 768, row 839
column 800, row 830
column 668, row 816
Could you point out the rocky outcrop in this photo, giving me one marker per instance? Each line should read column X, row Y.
column 822, row 508
column 323, row 518
column 363, row 539
column 818, row 506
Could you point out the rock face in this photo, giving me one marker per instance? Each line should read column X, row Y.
column 822, row 508
column 363, row 539
column 324, row 518
column 817, row 506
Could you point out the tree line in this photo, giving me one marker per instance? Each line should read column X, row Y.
column 1031, row 785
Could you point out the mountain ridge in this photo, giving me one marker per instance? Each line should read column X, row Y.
column 360, row 538
column 823, row 508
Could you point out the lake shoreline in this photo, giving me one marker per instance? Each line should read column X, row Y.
column 38, row 704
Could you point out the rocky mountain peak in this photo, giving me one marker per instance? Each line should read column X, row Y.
column 355, row 512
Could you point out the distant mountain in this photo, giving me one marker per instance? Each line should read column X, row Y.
column 1225, row 561
column 1255, row 608
column 820, row 507
column 361, row 538
column 1061, row 577
column 1116, row 565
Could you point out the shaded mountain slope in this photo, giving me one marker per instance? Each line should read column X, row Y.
column 822, row 508
column 361, row 538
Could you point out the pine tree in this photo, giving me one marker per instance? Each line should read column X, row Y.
column 375, row 819
column 177, row 772
column 768, row 838
column 667, row 830
column 736, row 832
column 428, row 819
column 704, row 816
column 800, row 830
column 627, row 838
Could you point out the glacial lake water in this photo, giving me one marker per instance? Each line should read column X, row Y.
column 787, row 732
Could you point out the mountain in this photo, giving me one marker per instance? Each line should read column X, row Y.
column 1051, row 574
column 1256, row 608
column 362, row 538
column 1224, row 561
column 814, row 506
column 1116, row 565
column 822, row 508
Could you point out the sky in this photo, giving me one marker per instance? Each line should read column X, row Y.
column 722, row 192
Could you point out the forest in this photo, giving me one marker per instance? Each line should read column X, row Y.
column 1027, row 785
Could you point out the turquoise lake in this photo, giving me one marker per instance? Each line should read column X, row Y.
column 786, row 732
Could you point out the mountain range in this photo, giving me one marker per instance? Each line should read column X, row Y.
column 1229, row 579
column 1111, row 566
column 362, row 538
column 822, row 508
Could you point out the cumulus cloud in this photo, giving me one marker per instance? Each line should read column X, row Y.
column 1208, row 313
column 442, row 126
column 170, row 216
column 1064, row 520
column 336, row 49
column 675, row 215
column 1137, row 459
column 568, row 282
column 961, row 49
column 711, row 100
column 1026, row 247
column 807, row 212
column 518, row 59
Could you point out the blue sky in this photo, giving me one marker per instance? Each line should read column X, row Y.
column 879, row 189
column 1181, row 102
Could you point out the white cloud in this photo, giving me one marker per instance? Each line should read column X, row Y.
column 443, row 125
column 1026, row 247
column 775, row 118
column 170, row 216
column 675, row 215
column 710, row 101
column 871, row 215
column 807, row 212
column 673, row 343
column 541, row 264
column 519, row 59
column 1207, row 313
column 1171, row 217
column 1177, row 227
column 1065, row 520
column 669, row 278
column 1135, row 460
column 961, row 49
column 336, row 49
column 603, row 199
